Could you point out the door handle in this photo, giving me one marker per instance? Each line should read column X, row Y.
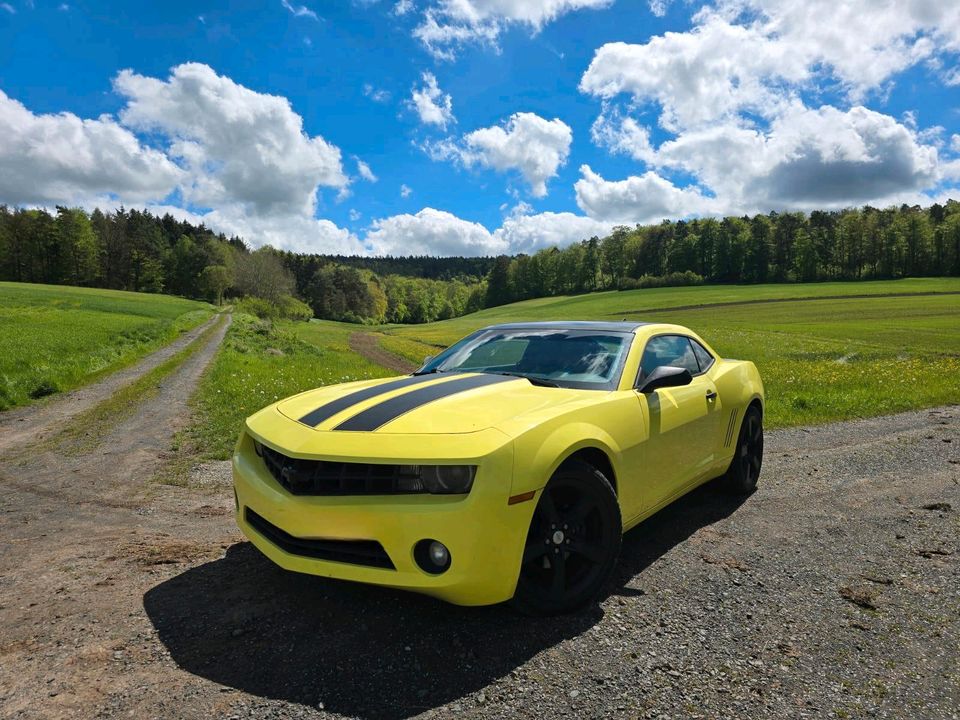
column 711, row 394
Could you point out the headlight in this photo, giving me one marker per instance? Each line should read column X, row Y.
column 437, row 479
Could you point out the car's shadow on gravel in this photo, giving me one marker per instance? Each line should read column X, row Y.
column 365, row 651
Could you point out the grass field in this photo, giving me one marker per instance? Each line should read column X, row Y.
column 655, row 303
column 55, row 338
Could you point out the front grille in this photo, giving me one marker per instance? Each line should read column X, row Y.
column 323, row 477
column 354, row 552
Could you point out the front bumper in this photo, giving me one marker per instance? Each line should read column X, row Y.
column 485, row 535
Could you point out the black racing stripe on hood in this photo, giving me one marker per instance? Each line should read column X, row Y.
column 325, row 412
column 379, row 415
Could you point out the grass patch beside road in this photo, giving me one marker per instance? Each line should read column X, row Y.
column 56, row 338
column 261, row 362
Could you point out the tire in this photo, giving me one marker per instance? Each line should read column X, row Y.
column 744, row 471
column 572, row 545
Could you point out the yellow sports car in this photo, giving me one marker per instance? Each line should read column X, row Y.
column 508, row 466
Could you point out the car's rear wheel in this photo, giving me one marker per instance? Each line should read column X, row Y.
column 744, row 470
column 572, row 544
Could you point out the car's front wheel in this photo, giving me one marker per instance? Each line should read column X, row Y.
column 573, row 542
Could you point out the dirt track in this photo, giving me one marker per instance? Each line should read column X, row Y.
column 35, row 422
column 365, row 344
column 831, row 592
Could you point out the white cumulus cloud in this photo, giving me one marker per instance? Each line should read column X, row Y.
column 436, row 232
column 646, row 198
column 402, row 7
column 50, row 159
column 659, row 7
column 831, row 158
column 240, row 146
column 864, row 43
column 714, row 71
column 364, row 170
column 432, row 232
column 805, row 159
column 623, row 135
column 432, row 105
column 753, row 55
column 448, row 25
column 528, row 143
column 528, row 233
column 729, row 94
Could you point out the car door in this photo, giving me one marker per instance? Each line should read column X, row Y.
column 683, row 421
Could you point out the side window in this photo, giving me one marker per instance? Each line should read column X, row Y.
column 668, row 350
column 703, row 356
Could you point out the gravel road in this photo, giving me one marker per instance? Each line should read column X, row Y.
column 833, row 591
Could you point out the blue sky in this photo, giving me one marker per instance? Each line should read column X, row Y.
column 475, row 126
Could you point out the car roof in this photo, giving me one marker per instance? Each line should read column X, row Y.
column 624, row 326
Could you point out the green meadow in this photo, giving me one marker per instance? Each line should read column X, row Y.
column 54, row 338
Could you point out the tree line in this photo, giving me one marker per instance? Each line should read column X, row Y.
column 854, row 244
column 136, row 250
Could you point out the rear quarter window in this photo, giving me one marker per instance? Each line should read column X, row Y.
column 704, row 358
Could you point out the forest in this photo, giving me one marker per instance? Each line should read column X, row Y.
column 853, row 244
column 136, row 250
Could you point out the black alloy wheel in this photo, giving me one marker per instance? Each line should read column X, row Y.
column 744, row 470
column 573, row 542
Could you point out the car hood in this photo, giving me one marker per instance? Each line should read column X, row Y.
column 449, row 403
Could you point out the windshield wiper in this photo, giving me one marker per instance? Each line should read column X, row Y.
column 539, row 382
column 428, row 372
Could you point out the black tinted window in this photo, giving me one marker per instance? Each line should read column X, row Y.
column 703, row 357
column 672, row 350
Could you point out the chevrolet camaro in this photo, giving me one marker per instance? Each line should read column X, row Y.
column 507, row 467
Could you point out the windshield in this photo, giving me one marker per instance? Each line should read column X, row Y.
column 584, row 359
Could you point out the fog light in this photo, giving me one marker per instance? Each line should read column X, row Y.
column 432, row 556
column 439, row 554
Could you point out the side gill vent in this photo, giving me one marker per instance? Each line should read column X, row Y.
column 731, row 426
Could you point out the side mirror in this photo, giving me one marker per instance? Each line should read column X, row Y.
column 665, row 376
